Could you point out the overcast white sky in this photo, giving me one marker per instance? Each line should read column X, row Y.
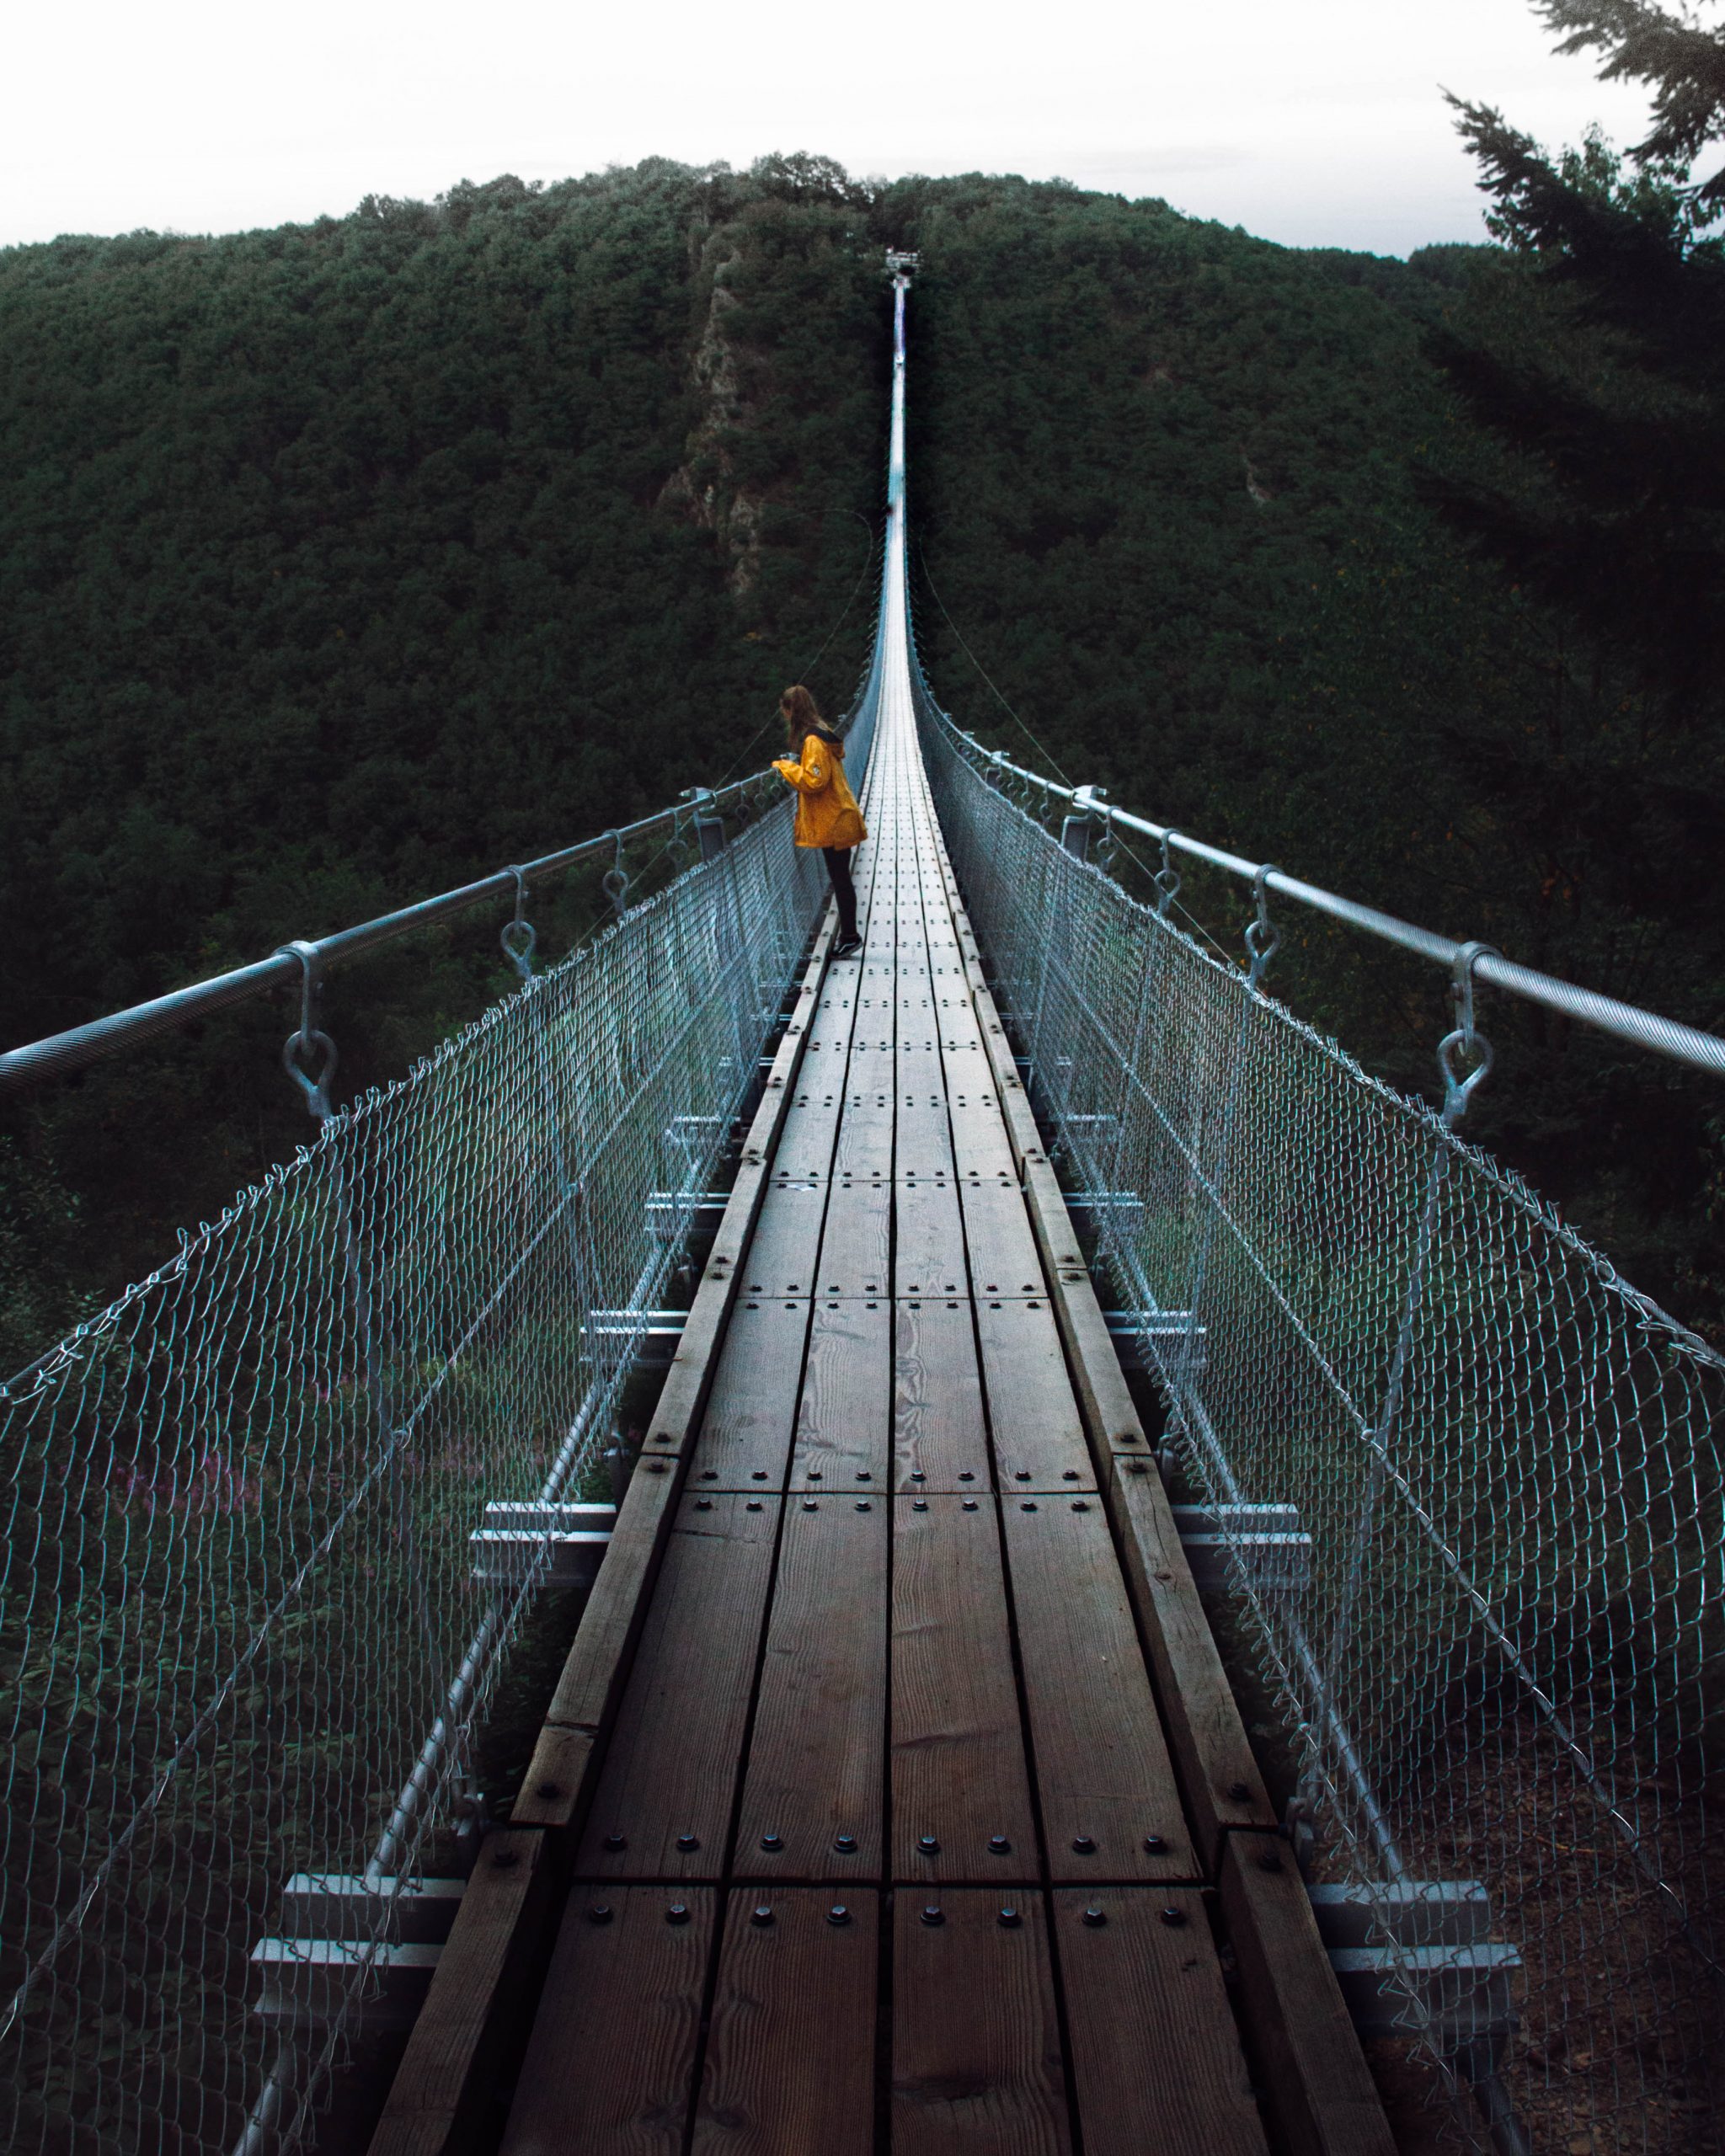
column 1314, row 122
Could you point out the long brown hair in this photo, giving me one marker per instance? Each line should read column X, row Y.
column 802, row 716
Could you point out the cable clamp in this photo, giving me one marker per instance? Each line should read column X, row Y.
column 1167, row 878
column 1465, row 1039
column 519, row 937
column 296, row 1051
column 615, row 882
column 1264, row 939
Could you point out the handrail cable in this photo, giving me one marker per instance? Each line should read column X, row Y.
column 80, row 1045
column 1626, row 1022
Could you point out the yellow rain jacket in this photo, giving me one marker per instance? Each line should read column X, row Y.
column 827, row 814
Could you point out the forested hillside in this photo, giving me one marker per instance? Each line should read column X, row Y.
column 340, row 563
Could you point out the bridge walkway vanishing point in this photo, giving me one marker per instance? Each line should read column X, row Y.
column 892, row 1794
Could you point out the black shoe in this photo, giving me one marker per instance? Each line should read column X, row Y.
column 847, row 947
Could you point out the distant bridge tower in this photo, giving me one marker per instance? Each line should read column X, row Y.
column 901, row 267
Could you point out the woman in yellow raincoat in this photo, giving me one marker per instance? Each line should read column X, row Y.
column 827, row 814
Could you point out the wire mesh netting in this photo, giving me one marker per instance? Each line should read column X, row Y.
column 1502, row 1653
column 242, row 1634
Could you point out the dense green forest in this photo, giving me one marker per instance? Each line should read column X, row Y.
column 341, row 563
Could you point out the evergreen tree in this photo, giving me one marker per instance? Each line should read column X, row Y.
column 1606, row 373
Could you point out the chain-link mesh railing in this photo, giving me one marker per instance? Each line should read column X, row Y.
column 241, row 1635
column 1503, row 1655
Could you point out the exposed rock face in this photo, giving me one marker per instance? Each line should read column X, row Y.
column 706, row 483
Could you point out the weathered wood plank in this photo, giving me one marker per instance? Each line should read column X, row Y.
column 928, row 1239
column 1156, row 2057
column 1110, row 1805
column 940, row 1438
column 610, row 2065
column 783, row 1252
column 1004, row 1259
column 925, row 1141
column 443, row 2084
column 560, row 1778
column 864, row 1148
column 1219, row 1777
column 1322, row 2095
column 1038, row 1440
column 663, row 1806
column 588, row 1684
column 812, row 1799
column 790, row 2058
column 958, row 1778
column 745, row 1435
column 856, row 1250
column 844, row 1421
column 976, row 2064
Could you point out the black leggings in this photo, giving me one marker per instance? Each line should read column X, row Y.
column 838, row 866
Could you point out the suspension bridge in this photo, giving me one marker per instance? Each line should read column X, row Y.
column 893, row 1792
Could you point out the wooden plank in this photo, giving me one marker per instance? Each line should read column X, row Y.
column 1219, row 1777
column 925, row 1145
column 940, row 1438
column 1004, row 1259
column 804, row 1155
column 865, row 1139
column 980, row 1145
column 662, row 1806
column 1038, row 1440
column 448, row 2074
column 1322, row 2100
column 1109, row 1414
column 928, row 1239
column 745, row 1434
column 1155, row 2057
column 588, row 1685
column 790, row 2059
column 976, row 2063
column 856, row 1249
column 560, row 1778
column 812, row 1802
column 784, row 1251
column 959, row 1774
column 609, row 2065
column 805, row 1148
column 844, row 1419
column 1109, row 1801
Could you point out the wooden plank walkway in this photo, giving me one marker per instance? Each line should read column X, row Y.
column 873, row 1824
column 892, row 1797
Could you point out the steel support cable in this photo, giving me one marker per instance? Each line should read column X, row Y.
column 1607, row 1014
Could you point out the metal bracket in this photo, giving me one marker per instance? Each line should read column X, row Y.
column 515, row 1537
column 1144, row 1338
column 308, row 1035
column 1464, row 1039
column 1264, row 939
column 1077, row 828
column 1263, row 1542
column 1167, row 878
column 615, row 882
column 519, row 937
column 709, row 827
